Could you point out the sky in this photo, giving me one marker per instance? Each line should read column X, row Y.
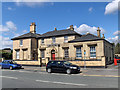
column 84, row 16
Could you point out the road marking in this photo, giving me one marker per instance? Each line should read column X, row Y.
column 62, row 83
column 102, row 75
column 9, row 77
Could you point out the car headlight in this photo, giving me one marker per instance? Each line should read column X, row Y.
column 73, row 67
column 14, row 65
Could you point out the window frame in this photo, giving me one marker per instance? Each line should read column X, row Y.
column 42, row 41
column 17, row 54
column 65, row 39
column 78, row 52
column 53, row 40
column 42, row 53
column 92, row 51
column 21, row 42
column 66, row 55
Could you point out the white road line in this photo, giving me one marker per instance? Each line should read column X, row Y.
column 62, row 83
column 9, row 77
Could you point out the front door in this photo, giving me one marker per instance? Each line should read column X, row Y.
column 53, row 54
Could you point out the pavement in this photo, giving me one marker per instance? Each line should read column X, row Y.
column 111, row 71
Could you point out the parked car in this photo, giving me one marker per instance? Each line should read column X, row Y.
column 10, row 64
column 62, row 66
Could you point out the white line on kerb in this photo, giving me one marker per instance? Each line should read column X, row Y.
column 9, row 77
column 62, row 83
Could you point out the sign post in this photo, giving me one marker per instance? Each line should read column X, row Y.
column 84, row 59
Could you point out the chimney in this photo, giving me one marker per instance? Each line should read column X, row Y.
column 71, row 27
column 103, row 37
column 33, row 27
column 98, row 32
column 55, row 29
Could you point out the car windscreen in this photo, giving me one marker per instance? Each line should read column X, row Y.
column 67, row 63
column 13, row 62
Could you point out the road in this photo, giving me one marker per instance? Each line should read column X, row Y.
column 29, row 79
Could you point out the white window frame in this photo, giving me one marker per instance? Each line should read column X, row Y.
column 42, row 53
column 53, row 40
column 93, row 51
column 66, row 52
column 21, row 42
column 17, row 54
column 65, row 39
column 78, row 52
column 42, row 41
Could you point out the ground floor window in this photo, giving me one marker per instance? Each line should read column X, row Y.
column 17, row 54
column 78, row 52
column 42, row 53
column 92, row 51
column 66, row 52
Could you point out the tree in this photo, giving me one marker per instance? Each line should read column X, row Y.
column 117, row 48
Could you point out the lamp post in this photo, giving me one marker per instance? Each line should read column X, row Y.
column 84, row 59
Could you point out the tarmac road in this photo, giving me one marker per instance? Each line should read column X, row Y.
column 32, row 79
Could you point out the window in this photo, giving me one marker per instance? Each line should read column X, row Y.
column 78, row 52
column 66, row 52
column 42, row 54
column 42, row 40
column 66, row 39
column 17, row 54
column 53, row 39
column 21, row 42
column 92, row 51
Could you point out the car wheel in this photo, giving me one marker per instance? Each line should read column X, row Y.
column 1, row 67
column 11, row 68
column 49, row 70
column 68, row 71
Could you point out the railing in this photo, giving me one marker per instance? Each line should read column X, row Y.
column 98, row 58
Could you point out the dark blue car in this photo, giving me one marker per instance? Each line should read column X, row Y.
column 10, row 64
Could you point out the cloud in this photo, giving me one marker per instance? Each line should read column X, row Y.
column 84, row 28
column 31, row 3
column 6, row 42
column 9, row 26
column 116, row 33
column 9, row 8
column 112, row 7
column 90, row 9
column 24, row 31
column 115, row 39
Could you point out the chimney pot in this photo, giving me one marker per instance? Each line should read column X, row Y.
column 33, row 27
column 71, row 27
column 103, row 37
column 98, row 32
column 55, row 29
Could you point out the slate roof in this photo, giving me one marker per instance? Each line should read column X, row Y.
column 28, row 35
column 59, row 33
column 87, row 37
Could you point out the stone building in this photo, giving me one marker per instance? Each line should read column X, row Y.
column 84, row 50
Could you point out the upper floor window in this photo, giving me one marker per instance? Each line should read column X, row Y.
column 53, row 39
column 65, row 38
column 42, row 53
column 21, row 42
column 78, row 52
column 42, row 40
column 92, row 51
column 66, row 52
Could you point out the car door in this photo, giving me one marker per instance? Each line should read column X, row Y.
column 3, row 64
column 60, row 66
column 53, row 65
column 7, row 64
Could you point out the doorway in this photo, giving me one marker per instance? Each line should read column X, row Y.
column 53, row 54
